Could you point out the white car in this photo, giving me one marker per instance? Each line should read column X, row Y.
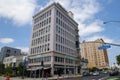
column 96, row 73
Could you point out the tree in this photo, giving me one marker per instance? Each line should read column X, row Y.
column 20, row 69
column 118, row 59
column 9, row 69
column 2, row 68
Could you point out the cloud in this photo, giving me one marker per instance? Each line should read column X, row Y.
column 6, row 40
column 84, row 13
column 88, row 29
column 24, row 49
column 108, row 40
column 20, row 11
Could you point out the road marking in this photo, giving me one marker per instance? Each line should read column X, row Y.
column 103, row 78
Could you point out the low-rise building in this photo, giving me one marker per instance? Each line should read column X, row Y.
column 13, row 61
column 9, row 51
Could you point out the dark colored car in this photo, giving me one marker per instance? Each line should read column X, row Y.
column 113, row 73
column 86, row 74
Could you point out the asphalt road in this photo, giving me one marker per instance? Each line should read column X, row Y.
column 100, row 77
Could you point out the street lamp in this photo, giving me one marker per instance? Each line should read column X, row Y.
column 110, row 21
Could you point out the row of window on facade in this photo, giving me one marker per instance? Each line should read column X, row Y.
column 8, row 60
column 65, row 33
column 42, row 16
column 41, row 40
column 42, row 31
column 61, row 59
column 65, row 41
column 41, row 24
column 65, row 19
column 64, row 49
column 48, row 58
column 45, row 59
column 65, row 26
column 40, row 49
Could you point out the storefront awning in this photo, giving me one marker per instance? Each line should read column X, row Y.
column 37, row 68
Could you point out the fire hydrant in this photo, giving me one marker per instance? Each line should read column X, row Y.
column 7, row 77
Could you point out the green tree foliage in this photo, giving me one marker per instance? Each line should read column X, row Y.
column 20, row 69
column 118, row 59
column 2, row 68
column 9, row 69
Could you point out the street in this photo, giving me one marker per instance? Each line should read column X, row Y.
column 100, row 77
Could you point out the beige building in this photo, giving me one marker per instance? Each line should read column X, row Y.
column 55, row 41
column 96, row 58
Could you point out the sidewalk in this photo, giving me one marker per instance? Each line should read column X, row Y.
column 50, row 78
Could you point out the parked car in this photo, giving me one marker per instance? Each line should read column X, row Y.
column 96, row 73
column 105, row 72
column 113, row 72
column 91, row 73
column 86, row 74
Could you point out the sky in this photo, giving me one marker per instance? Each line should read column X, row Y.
column 16, row 21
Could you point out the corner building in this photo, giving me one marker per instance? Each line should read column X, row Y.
column 55, row 41
column 96, row 58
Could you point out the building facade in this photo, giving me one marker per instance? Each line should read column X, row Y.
column 55, row 40
column 9, row 51
column 13, row 61
column 96, row 58
column 84, row 65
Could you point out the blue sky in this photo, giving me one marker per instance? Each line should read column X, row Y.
column 16, row 21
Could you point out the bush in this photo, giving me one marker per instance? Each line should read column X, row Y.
column 11, row 75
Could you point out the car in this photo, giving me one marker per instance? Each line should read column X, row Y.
column 91, row 73
column 113, row 72
column 86, row 74
column 105, row 72
column 96, row 73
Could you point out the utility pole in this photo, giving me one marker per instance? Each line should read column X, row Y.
column 42, row 64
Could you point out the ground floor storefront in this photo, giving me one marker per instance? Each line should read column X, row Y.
column 58, row 64
column 51, row 71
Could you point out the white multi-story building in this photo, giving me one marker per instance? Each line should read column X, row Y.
column 55, row 40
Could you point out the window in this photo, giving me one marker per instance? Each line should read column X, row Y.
column 45, row 47
column 49, row 28
column 49, row 20
column 56, row 20
column 46, row 29
column 8, row 50
column 40, row 49
column 48, row 47
column 45, row 38
column 48, row 37
column 56, row 47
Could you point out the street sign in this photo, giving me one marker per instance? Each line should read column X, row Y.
column 104, row 47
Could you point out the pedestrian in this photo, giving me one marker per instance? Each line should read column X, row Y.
column 7, row 77
column 46, row 75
